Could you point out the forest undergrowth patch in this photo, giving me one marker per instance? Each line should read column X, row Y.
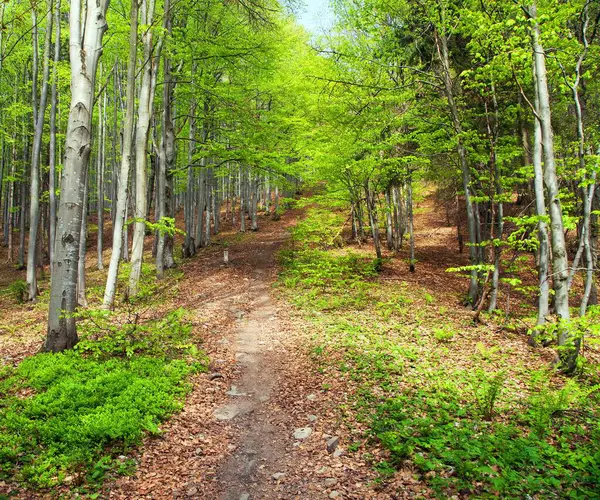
column 72, row 419
column 465, row 408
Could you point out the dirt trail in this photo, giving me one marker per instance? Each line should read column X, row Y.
column 260, row 447
column 257, row 425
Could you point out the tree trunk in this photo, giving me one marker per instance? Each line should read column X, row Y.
column 100, row 181
column 34, row 198
column 442, row 49
column 559, row 250
column 52, row 146
column 84, row 54
column 141, row 147
column 120, row 213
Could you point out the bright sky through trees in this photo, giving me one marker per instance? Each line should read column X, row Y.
column 316, row 16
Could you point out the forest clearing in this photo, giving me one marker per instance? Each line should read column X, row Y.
column 247, row 255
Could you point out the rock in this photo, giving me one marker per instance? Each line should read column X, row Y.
column 338, row 453
column 245, row 496
column 215, row 375
column 312, row 418
column 311, row 397
column 227, row 413
column 199, row 451
column 234, row 392
column 193, row 491
column 302, row 433
column 278, row 475
column 332, row 443
column 330, row 481
column 335, row 494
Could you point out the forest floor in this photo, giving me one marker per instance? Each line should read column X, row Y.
column 258, row 423
column 295, row 373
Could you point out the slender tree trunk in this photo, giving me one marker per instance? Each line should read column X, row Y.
column 141, row 147
column 120, row 212
column 409, row 204
column 442, row 48
column 34, row 198
column 100, row 181
column 84, row 55
column 81, row 296
column 52, row 146
column 166, row 155
column 559, row 249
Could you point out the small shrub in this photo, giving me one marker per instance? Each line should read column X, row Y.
column 17, row 290
column 74, row 413
column 443, row 334
column 487, row 388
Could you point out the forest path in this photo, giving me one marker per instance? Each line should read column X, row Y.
column 257, row 424
column 260, row 448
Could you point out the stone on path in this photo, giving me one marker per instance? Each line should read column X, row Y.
column 235, row 392
column 227, row 413
column 302, row 433
column 332, row 443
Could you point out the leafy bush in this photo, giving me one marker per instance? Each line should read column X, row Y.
column 327, row 282
column 321, row 228
column 18, row 290
column 71, row 414
column 438, row 431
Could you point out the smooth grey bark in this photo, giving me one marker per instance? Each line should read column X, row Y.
column 34, row 196
column 540, row 209
column 442, row 49
column 560, row 265
column 141, row 147
column 254, row 204
column 81, row 296
column 100, row 181
column 373, row 221
column 189, row 245
column 85, row 49
column 495, row 167
column 389, row 228
column 409, row 207
column 166, row 157
column 120, row 212
column 52, row 145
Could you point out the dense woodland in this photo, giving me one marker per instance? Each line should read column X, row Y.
column 138, row 137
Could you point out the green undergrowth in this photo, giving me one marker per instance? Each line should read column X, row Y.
column 73, row 417
column 472, row 415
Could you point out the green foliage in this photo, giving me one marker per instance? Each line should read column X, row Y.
column 321, row 228
column 326, row 282
column 72, row 414
column 17, row 290
column 440, row 432
column 487, row 388
column 443, row 334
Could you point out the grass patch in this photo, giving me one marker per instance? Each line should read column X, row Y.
column 69, row 416
column 452, row 400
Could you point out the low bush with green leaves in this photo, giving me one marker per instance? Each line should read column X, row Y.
column 17, row 290
column 325, row 281
column 443, row 433
column 73, row 414
column 471, row 423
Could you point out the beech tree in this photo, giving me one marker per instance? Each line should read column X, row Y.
column 85, row 49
